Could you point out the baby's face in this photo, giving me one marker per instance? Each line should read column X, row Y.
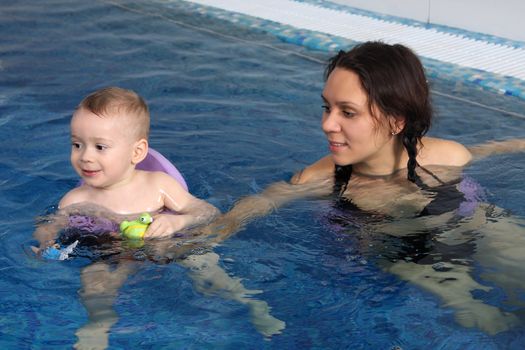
column 101, row 149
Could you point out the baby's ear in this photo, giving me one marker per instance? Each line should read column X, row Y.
column 140, row 151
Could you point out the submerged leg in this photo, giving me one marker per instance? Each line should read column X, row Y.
column 210, row 279
column 499, row 241
column 454, row 287
column 100, row 285
column 499, row 250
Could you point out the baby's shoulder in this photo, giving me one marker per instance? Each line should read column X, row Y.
column 74, row 196
column 436, row 151
column 158, row 179
column 147, row 175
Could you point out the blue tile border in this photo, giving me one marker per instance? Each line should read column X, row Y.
column 329, row 43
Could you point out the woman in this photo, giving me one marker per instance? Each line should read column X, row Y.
column 376, row 112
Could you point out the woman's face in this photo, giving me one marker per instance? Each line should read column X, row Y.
column 354, row 135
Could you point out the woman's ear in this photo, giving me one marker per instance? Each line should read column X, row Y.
column 397, row 124
column 140, row 151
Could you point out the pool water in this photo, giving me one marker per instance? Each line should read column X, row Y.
column 235, row 110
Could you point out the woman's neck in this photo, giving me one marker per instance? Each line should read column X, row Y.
column 387, row 161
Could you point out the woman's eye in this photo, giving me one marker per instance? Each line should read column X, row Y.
column 348, row 114
column 325, row 108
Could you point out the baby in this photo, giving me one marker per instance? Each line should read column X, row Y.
column 109, row 137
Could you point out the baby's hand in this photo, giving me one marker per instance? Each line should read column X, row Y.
column 42, row 247
column 165, row 225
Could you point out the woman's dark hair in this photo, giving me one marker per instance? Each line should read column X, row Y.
column 394, row 80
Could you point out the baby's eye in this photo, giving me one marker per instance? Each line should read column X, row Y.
column 76, row 145
column 101, row 147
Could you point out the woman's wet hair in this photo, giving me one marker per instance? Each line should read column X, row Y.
column 394, row 80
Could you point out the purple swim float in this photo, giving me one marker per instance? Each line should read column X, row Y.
column 155, row 161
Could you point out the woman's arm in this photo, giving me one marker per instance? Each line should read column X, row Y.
column 315, row 180
column 497, row 147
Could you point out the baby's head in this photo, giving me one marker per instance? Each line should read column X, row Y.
column 128, row 106
column 109, row 136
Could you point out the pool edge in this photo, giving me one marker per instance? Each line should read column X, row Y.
column 497, row 83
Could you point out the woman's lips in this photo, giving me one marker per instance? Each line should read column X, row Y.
column 336, row 146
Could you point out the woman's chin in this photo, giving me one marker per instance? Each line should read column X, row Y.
column 340, row 161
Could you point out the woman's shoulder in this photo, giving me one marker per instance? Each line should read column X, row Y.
column 322, row 169
column 436, row 151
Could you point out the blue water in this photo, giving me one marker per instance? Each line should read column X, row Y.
column 234, row 116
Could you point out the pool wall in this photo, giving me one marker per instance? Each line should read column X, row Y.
column 499, row 18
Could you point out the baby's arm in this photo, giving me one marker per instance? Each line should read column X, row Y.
column 47, row 231
column 190, row 211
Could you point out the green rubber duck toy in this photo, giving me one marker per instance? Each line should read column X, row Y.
column 137, row 228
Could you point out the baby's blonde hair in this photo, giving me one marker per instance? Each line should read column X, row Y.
column 115, row 101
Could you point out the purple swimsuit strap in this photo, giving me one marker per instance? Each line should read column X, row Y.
column 473, row 193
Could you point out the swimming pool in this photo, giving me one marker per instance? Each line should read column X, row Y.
column 234, row 116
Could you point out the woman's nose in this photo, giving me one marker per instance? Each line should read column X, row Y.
column 330, row 122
